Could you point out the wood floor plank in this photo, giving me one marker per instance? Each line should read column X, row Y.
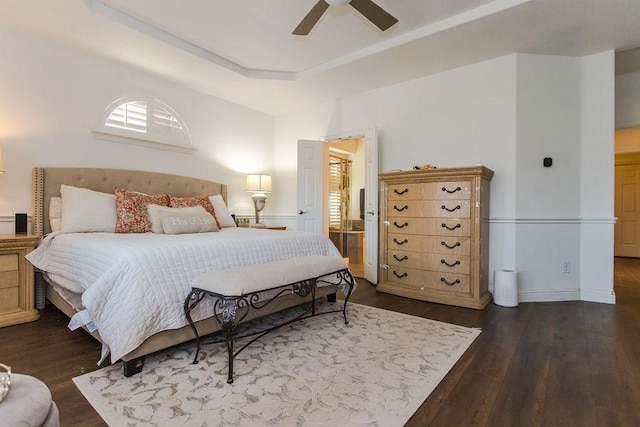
column 569, row 395
column 522, row 395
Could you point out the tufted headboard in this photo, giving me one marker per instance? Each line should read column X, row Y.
column 47, row 182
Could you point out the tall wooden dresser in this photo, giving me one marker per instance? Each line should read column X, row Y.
column 434, row 235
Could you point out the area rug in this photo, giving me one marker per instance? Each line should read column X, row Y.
column 375, row 371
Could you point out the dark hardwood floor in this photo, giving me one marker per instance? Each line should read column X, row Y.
column 540, row 364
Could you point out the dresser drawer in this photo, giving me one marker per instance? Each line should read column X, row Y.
column 9, row 271
column 9, row 262
column 428, row 280
column 458, row 245
column 448, row 227
column 430, row 209
column 430, row 190
column 9, row 298
column 458, row 264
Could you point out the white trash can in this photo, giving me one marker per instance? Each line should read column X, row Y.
column 505, row 288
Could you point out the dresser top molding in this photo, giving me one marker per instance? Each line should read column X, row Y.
column 448, row 173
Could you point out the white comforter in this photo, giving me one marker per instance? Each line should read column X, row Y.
column 134, row 285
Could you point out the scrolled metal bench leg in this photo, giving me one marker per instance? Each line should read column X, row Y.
column 313, row 298
column 190, row 302
column 228, row 324
column 348, row 277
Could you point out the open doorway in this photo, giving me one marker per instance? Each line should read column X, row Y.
column 313, row 185
column 627, row 193
column 345, row 203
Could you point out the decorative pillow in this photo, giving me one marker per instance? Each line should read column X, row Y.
column 222, row 213
column 156, row 213
column 85, row 210
column 187, row 220
column 55, row 213
column 186, row 202
column 132, row 214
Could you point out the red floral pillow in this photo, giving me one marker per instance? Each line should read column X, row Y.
column 131, row 210
column 189, row 202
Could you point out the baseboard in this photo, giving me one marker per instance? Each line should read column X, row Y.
column 598, row 295
column 556, row 295
column 549, row 295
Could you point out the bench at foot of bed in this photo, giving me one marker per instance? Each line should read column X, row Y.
column 237, row 292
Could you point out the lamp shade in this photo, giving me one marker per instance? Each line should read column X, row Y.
column 259, row 183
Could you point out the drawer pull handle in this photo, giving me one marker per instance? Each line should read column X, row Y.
column 451, row 191
column 400, row 193
column 402, row 208
column 442, row 279
column 401, row 259
column 451, row 228
column 450, row 247
column 400, row 243
column 400, row 225
column 400, row 276
column 451, row 210
column 450, row 265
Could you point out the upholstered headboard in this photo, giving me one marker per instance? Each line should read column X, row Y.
column 47, row 182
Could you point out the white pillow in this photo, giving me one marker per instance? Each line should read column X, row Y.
column 85, row 210
column 193, row 219
column 55, row 213
column 222, row 213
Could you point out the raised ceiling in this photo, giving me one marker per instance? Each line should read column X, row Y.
column 243, row 50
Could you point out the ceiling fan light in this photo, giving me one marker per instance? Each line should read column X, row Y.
column 337, row 2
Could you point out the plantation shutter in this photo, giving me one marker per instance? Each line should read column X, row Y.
column 335, row 178
column 130, row 116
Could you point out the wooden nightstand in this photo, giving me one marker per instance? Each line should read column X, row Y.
column 17, row 300
column 270, row 227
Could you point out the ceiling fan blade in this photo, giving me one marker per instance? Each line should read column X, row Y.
column 312, row 18
column 374, row 13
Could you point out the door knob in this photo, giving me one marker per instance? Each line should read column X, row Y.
column 302, row 212
column 370, row 212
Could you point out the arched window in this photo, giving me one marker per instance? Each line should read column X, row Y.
column 144, row 121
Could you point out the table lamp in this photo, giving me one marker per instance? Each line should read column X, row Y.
column 259, row 185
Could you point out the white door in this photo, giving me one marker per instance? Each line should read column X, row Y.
column 627, row 209
column 371, row 207
column 311, row 186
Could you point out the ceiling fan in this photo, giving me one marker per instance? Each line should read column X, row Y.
column 374, row 13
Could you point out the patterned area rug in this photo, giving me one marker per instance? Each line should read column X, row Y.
column 375, row 371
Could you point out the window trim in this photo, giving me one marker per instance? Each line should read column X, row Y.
column 150, row 140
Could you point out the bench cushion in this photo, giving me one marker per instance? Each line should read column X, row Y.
column 252, row 278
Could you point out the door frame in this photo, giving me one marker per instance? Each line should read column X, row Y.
column 372, row 213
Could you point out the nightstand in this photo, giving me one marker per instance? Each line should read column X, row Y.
column 17, row 299
column 270, row 227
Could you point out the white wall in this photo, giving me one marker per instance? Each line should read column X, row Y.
column 462, row 117
column 548, row 199
column 51, row 97
column 597, row 155
column 508, row 114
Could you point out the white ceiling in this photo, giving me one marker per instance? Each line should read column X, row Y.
column 243, row 50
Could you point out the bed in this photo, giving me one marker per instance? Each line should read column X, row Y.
column 113, row 283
